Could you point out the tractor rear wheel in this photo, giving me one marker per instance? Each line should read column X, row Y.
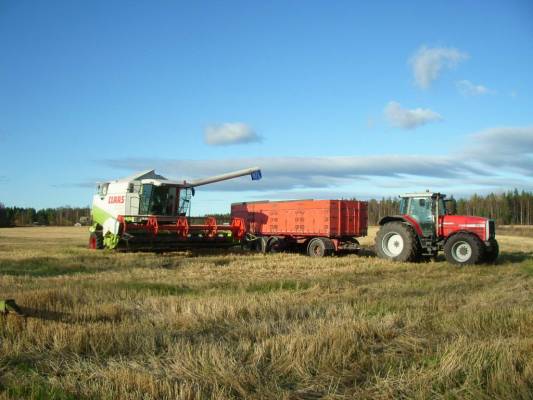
column 464, row 249
column 491, row 252
column 397, row 241
column 96, row 241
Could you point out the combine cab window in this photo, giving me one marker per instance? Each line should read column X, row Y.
column 102, row 189
column 146, row 195
column 158, row 200
column 185, row 201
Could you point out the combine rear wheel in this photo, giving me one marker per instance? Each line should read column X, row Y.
column 397, row 241
column 96, row 241
column 464, row 249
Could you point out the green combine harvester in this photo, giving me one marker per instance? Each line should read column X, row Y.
column 146, row 211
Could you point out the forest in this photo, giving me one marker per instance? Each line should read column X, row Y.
column 509, row 208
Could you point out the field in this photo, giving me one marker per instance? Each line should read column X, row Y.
column 238, row 325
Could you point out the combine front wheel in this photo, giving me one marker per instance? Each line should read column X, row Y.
column 464, row 249
column 96, row 241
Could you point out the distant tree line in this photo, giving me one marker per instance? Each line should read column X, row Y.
column 510, row 208
column 61, row 216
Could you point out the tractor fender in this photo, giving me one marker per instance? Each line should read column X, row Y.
column 461, row 231
column 406, row 219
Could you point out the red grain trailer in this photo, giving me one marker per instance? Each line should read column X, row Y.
column 321, row 227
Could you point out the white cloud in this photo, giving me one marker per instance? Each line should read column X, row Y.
column 503, row 148
column 428, row 62
column 409, row 119
column 230, row 133
column 467, row 88
column 499, row 157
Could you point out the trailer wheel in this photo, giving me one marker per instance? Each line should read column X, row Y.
column 96, row 241
column 464, row 249
column 274, row 245
column 491, row 252
column 397, row 241
column 319, row 247
column 260, row 245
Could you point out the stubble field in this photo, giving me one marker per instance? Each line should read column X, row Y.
column 216, row 325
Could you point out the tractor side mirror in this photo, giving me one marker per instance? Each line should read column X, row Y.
column 451, row 206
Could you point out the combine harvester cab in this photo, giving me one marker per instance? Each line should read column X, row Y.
column 146, row 211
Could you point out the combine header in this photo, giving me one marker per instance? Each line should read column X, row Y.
column 146, row 211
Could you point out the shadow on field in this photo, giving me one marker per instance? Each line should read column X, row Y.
column 51, row 266
column 514, row 258
column 46, row 315
column 58, row 316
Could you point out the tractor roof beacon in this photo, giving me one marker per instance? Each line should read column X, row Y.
column 426, row 225
column 147, row 211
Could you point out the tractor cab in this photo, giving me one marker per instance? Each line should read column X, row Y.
column 425, row 208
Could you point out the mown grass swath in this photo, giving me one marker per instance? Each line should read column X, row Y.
column 239, row 325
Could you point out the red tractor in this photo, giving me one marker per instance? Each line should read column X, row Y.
column 426, row 225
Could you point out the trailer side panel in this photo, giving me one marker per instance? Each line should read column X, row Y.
column 326, row 218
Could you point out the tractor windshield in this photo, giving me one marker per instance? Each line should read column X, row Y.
column 404, row 202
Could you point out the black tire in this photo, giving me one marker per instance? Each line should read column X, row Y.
column 319, row 247
column 405, row 246
column 492, row 251
column 260, row 245
column 464, row 249
column 274, row 245
column 96, row 241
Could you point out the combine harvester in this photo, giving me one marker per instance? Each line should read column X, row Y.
column 146, row 211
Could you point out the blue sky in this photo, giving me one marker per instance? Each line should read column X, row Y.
column 330, row 99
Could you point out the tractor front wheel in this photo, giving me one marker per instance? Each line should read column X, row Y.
column 397, row 241
column 464, row 249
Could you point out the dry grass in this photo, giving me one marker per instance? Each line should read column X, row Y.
column 282, row 326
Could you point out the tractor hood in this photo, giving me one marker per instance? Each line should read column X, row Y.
column 479, row 226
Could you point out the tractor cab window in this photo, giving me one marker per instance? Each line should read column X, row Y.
column 404, row 203
column 420, row 208
column 442, row 207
